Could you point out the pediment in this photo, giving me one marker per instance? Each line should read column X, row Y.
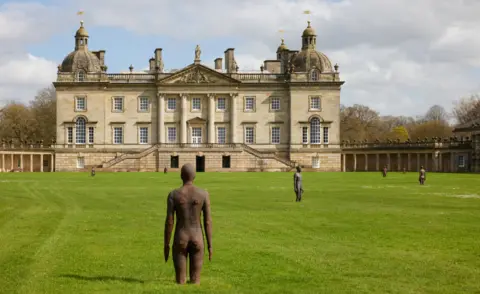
column 196, row 120
column 198, row 74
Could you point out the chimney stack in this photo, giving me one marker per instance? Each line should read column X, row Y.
column 152, row 64
column 101, row 56
column 218, row 63
column 229, row 60
column 158, row 58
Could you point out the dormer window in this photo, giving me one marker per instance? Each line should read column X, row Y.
column 80, row 76
column 314, row 75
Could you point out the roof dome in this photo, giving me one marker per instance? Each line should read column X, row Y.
column 282, row 47
column 309, row 31
column 306, row 60
column 81, row 32
column 81, row 60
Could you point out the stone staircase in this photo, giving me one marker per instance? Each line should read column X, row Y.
column 268, row 155
column 122, row 157
column 259, row 154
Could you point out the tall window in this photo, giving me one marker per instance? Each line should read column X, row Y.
column 143, row 135
column 196, row 104
column 221, row 135
column 117, row 135
column 80, row 162
column 315, row 103
column 172, row 135
column 249, row 135
column 80, row 104
column 315, row 131
column 315, row 162
column 70, row 135
column 143, row 104
column 275, row 103
column 314, row 75
column 221, row 104
column 117, row 104
column 325, row 135
column 80, row 76
column 275, row 135
column 91, row 135
column 461, row 161
column 81, row 132
column 305, row 135
column 249, row 103
column 171, row 103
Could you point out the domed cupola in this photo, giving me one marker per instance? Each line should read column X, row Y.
column 81, row 60
column 309, row 58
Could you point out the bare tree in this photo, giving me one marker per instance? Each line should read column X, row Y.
column 467, row 109
column 436, row 113
column 358, row 122
column 44, row 109
column 16, row 122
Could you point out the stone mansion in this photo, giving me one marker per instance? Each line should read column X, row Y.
column 218, row 119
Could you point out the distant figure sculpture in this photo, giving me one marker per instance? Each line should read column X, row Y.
column 384, row 171
column 197, row 52
column 165, row 170
column 92, row 173
column 297, row 184
column 187, row 203
column 404, row 170
column 422, row 176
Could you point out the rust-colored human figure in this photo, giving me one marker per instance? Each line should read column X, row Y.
column 422, row 176
column 187, row 203
column 384, row 171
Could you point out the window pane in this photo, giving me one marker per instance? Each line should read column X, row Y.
column 91, row 135
column 196, row 104
column 275, row 103
column 144, row 103
column 276, row 135
column 305, row 135
column 172, row 135
column 221, row 136
column 80, row 131
column 325, row 135
column 117, row 135
column 70, row 135
column 249, row 135
column 221, row 104
column 143, row 135
column 171, row 103
column 315, row 131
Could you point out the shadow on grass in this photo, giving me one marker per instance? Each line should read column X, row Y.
column 103, row 279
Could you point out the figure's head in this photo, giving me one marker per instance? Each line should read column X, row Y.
column 299, row 169
column 421, row 167
column 187, row 173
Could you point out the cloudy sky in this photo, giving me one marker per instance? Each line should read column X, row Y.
column 397, row 56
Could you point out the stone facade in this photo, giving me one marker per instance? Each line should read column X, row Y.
column 273, row 119
column 471, row 131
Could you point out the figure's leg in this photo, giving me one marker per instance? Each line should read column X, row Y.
column 179, row 256
column 196, row 252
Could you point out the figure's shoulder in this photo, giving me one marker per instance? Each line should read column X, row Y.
column 201, row 192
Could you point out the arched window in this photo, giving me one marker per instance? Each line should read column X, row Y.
column 80, row 76
column 81, row 131
column 315, row 131
column 314, row 75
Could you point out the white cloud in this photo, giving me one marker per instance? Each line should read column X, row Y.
column 397, row 56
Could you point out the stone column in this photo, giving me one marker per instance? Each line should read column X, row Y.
column 399, row 162
column 3, row 162
column 344, row 157
column 183, row 122
column 452, row 162
column 388, row 161
column 233, row 118
column 426, row 161
column 354, row 161
column 21, row 161
column 440, row 162
column 41, row 163
column 377, row 162
column 52, row 168
column 418, row 161
column 409, row 158
column 211, row 118
column 366, row 162
column 31, row 163
column 161, row 118
column 11, row 160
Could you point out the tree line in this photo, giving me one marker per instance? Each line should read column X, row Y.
column 36, row 121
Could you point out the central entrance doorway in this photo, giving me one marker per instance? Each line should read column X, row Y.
column 196, row 136
column 200, row 164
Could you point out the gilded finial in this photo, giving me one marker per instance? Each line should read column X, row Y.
column 81, row 23
column 283, row 41
column 308, row 23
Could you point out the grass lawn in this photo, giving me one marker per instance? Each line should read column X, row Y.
column 353, row 233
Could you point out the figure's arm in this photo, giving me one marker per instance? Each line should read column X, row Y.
column 169, row 222
column 207, row 224
column 295, row 178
